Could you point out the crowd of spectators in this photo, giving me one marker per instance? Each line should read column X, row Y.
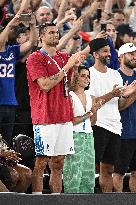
column 79, row 22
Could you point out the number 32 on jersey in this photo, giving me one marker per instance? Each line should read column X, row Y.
column 6, row 71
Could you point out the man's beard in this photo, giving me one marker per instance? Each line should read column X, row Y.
column 53, row 44
column 129, row 64
column 105, row 60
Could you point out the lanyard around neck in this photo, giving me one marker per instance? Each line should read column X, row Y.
column 59, row 68
column 46, row 54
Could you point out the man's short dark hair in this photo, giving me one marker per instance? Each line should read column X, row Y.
column 118, row 11
column 42, row 27
column 124, row 29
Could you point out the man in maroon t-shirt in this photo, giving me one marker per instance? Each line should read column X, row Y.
column 48, row 71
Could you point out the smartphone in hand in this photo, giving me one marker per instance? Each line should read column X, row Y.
column 103, row 27
column 25, row 17
column 78, row 13
column 99, row 14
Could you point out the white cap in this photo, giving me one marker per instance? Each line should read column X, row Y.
column 126, row 48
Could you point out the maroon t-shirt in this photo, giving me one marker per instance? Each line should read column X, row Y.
column 47, row 107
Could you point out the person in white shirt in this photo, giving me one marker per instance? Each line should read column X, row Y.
column 79, row 169
column 107, row 84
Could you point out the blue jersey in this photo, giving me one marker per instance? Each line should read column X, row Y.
column 128, row 116
column 8, row 59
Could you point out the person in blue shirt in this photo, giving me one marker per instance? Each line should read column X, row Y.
column 110, row 35
column 8, row 57
column 114, row 62
column 127, row 157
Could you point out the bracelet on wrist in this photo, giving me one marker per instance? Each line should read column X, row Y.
column 83, row 117
column 83, row 121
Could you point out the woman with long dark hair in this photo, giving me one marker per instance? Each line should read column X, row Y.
column 79, row 169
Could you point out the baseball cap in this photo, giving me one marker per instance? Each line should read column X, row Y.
column 85, row 36
column 126, row 48
column 97, row 44
column 124, row 29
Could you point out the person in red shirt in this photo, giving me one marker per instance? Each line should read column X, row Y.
column 48, row 71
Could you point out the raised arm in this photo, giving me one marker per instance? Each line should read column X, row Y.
column 76, row 27
column 12, row 23
column 63, row 7
column 35, row 4
column 24, row 6
column 5, row 33
column 25, row 47
column 69, row 15
column 91, row 10
column 78, row 24
column 121, row 3
column 25, row 3
column 108, row 6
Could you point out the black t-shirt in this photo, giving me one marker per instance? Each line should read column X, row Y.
column 21, row 86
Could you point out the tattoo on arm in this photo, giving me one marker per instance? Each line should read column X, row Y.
column 54, row 77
